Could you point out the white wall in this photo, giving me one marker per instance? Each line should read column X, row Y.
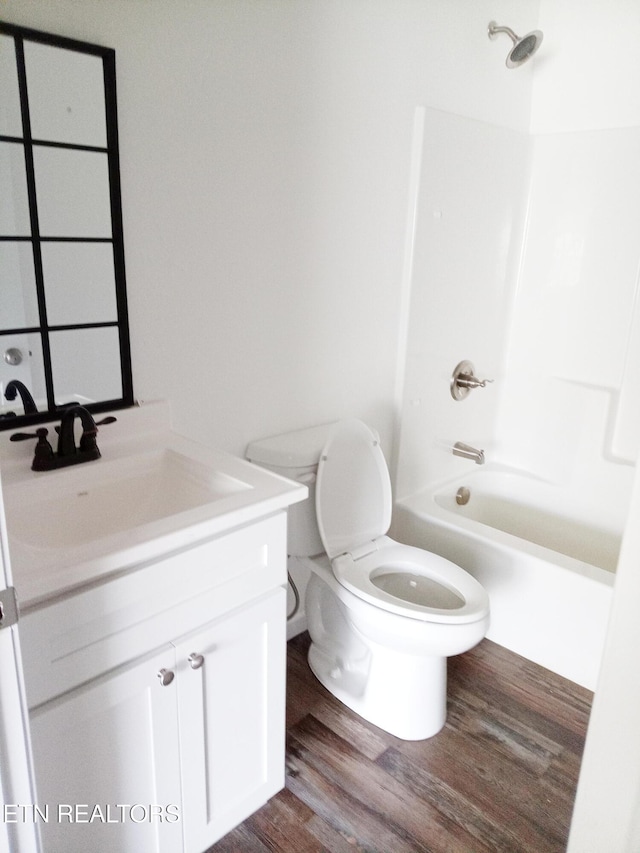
column 586, row 77
column 265, row 150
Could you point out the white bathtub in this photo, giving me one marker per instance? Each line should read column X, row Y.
column 547, row 563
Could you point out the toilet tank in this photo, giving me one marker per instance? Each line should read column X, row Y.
column 295, row 455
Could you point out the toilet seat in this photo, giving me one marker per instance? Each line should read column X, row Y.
column 450, row 582
column 353, row 507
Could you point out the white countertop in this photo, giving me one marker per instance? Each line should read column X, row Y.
column 62, row 560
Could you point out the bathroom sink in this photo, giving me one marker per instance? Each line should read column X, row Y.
column 153, row 493
column 97, row 501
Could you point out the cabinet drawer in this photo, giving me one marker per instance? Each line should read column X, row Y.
column 77, row 638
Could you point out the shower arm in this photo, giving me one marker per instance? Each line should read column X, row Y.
column 494, row 30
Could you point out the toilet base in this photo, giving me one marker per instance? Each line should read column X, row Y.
column 403, row 694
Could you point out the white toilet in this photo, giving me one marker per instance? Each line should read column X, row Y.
column 383, row 617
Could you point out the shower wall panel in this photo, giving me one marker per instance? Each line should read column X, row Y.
column 467, row 249
column 568, row 408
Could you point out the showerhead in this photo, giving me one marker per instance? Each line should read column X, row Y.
column 523, row 48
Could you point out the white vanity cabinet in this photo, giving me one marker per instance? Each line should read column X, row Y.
column 231, row 711
column 158, row 697
column 113, row 742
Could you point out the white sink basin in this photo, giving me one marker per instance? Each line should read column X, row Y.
column 153, row 493
column 93, row 501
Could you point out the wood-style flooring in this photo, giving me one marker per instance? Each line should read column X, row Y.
column 500, row 776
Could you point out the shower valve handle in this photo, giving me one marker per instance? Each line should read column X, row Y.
column 464, row 379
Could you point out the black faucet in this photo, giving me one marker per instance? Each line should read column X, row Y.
column 66, row 438
column 16, row 387
column 67, row 453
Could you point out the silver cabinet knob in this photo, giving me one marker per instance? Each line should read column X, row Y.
column 195, row 660
column 165, row 676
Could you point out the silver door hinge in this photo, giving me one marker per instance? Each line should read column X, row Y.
column 8, row 608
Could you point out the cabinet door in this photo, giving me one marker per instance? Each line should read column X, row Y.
column 107, row 764
column 231, row 699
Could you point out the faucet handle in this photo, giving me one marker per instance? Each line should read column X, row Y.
column 88, row 442
column 40, row 433
column 464, row 379
column 44, row 452
column 468, row 380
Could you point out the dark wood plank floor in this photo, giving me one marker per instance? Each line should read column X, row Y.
column 500, row 776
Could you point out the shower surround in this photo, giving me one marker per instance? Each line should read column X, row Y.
column 525, row 262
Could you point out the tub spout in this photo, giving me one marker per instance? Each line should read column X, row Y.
column 468, row 452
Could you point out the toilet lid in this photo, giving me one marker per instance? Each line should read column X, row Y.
column 353, row 489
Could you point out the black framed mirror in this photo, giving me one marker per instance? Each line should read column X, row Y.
column 64, row 333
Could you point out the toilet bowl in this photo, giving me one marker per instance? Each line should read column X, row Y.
column 382, row 616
